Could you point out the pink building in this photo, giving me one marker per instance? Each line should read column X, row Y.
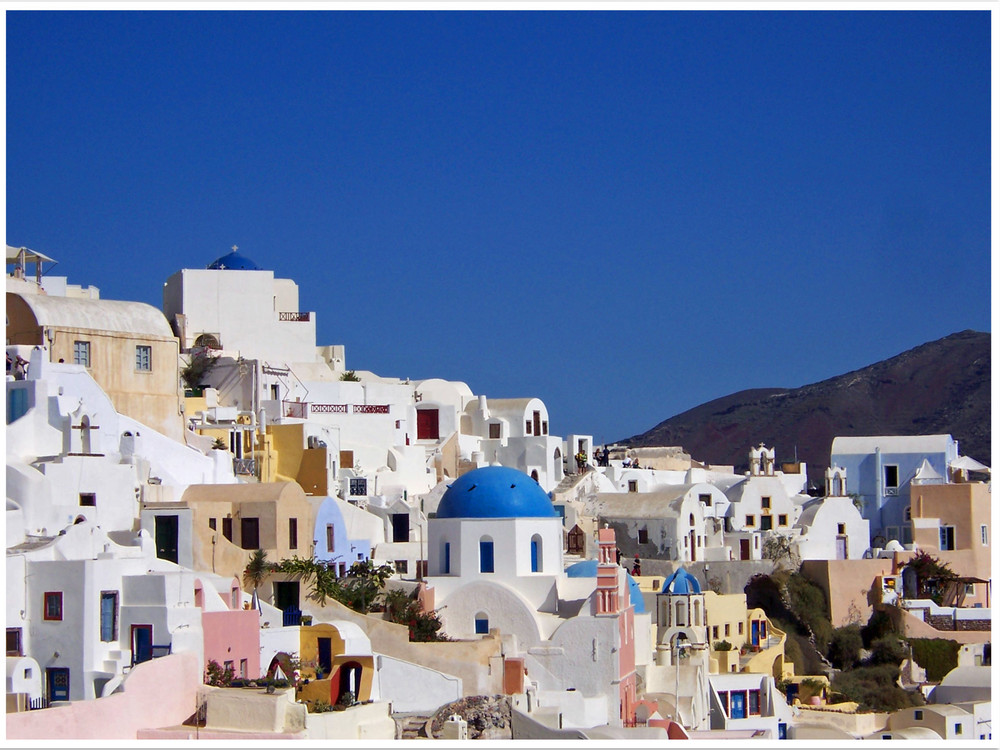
column 232, row 633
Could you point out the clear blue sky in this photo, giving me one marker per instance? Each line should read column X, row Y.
column 625, row 214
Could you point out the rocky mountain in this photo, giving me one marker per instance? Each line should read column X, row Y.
column 941, row 387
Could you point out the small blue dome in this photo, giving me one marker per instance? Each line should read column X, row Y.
column 588, row 569
column 495, row 492
column 681, row 582
column 233, row 262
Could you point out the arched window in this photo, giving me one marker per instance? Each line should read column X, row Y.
column 486, row 555
column 696, row 620
column 691, row 520
column 679, row 618
column 534, row 474
column 482, row 623
column 85, row 434
column 208, row 341
column 536, row 554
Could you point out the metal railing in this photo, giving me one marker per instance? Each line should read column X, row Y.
column 291, row 617
column 245, row 466
column 328, row 408
column 293, row 317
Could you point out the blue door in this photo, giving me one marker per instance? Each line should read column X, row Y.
column 755, row 632
column 58, row 683
column 738, row 706
column 142, row 643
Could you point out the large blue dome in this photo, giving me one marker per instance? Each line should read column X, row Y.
column 495, row 492
column 233, row 262
column 588, row 569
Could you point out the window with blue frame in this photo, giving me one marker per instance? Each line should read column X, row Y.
column 485, row 555
column 446, row 563
column 536, row 554
column 482, row 624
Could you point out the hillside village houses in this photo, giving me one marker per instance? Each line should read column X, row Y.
column 149, row 455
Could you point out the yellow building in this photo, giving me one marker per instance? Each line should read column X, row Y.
column 337, row 659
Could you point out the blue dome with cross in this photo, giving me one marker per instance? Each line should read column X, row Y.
column 233, row 262
column 495, row 492
column 681, row 582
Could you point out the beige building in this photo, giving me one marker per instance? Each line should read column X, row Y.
column 127, row 347
column 952, row 522
column 231, row 521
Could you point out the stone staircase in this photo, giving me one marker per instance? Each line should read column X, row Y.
column 117, row 662
column 411, row 726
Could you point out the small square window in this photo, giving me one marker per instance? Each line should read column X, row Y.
column 81, row 353
column 633, row 485
column 715, row 632
column 918, row 715
column 783, row 520
column 401, row 566
column 958, row 729
column 482, row 626
column 495, row 431
column 750, row 520
column 88, row 499
column 143, row 358
column 644, row 536
column 211, row 524
column 359, row 486
column 841, row 528
column 14, row 642
column 706, row 500
column 765, row 502
column 53, row 605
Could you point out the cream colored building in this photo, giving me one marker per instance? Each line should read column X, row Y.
column 127, row 347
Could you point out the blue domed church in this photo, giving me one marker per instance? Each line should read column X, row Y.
column 495, row 565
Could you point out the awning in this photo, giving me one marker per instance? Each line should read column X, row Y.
column 968, row 464
column 30, row 256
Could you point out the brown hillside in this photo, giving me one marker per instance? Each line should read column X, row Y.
column 942, row 387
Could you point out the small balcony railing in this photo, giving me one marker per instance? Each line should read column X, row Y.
column 293, row 317
column 290, row 617
column 295, row 409
column 245, row 466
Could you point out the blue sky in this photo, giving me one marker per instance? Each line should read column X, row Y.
column 625, row 214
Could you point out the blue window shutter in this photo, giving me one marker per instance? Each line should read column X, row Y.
column 486, row 557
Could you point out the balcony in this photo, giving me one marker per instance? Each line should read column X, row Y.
column 293, row 317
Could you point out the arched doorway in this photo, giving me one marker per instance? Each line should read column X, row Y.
column 349, row 682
